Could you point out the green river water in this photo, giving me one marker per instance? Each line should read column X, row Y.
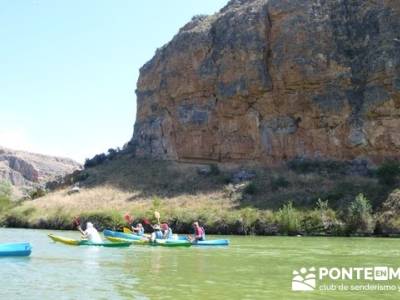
column 250, row 268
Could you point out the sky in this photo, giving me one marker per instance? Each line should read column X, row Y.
column 68, row 69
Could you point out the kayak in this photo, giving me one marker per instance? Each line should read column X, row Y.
column 15, row 249
column 122, row 235
column 212, row 243
column 118, row 240
column 73, row 242
column 129, row 236
column 220, row 242
column 163, row 243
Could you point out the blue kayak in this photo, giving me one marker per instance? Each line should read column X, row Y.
column 221, row 242
column 122, row 235
column 15, row 249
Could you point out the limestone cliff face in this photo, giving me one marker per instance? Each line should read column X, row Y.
column 26, row 171
column 271, row 80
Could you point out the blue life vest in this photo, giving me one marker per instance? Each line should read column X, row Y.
column 141, row 232
column 159, row 234
column 170, row 234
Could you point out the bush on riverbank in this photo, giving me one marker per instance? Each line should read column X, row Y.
column 359, row 219
column 5, row 196
column 270, row 201
column 288, row 220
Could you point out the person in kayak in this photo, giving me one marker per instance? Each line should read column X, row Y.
column 91, row 233
column 139, row 229
column 166, row 231
column 199, row 233
column 157, row 234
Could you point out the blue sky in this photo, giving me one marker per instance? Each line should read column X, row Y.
column 69, row 69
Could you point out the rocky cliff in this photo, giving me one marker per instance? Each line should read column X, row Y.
column 26, row 171
column 272, row 80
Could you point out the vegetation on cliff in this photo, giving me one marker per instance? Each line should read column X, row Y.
column 305, row 197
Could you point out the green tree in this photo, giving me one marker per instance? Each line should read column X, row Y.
column 360, row 215
column 388, row 173
column 5, row 195
column 288, row 219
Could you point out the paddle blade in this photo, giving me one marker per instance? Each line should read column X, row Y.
column 127, row 230
column 157, row 215
column 76, row 221
column 128, row 218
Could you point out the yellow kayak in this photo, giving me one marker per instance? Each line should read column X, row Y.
column 73, row 242
column 120, row 240
column 64, row 240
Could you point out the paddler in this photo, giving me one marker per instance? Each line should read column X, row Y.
column 199, row 233
column 139, row 229
column 157, row 234
column 166, row 231
column 91, row 233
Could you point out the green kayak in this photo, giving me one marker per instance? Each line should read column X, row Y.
column 72, row 242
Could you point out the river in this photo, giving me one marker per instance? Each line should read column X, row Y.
column 250, row 268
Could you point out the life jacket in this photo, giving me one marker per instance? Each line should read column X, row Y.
column 158, row 234
column 200, row 232
column 170, row 234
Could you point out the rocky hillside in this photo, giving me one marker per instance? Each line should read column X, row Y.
column 270, row 80
column 26, row 171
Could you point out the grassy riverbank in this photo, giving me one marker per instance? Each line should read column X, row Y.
column 314, row 198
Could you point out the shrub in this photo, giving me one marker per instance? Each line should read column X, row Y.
column 248, row 218
column 250, row 189
column 37, row 193
column 5, row 196
column 5, row 189
column 18, row 218
column 311, row 223
column 96, row 160
column 104, row 219
column 288, row 219
column 156, row 204
column 303, row 165
column 214, row 170
column 315, row 221
column 360, row 218
column 279, row 182
column 58, row 220
column 388, row 173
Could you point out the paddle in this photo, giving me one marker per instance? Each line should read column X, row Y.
column 157, row 215
column 77, row 223
column 127, row 230
column 129, row 219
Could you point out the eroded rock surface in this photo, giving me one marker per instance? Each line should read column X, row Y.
column 26, row 171
column 272, row 80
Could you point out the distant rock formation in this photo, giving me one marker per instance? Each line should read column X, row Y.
column 26, row 171
column 270, row 80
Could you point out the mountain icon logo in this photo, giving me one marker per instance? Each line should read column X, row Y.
column 304, row 280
